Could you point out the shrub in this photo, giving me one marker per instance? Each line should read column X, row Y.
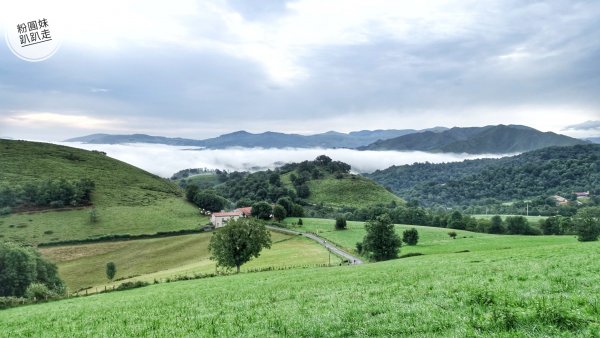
column 8, row 302
column 452, row 234
column 38, row 291
column 410, row 236
column 340, row 223
column 132, row 285
column 5, row 211
column 111, row 270
column 300, row 221
column 587, row 223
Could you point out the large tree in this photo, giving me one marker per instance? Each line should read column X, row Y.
column 381, row 241
column 21, row 266
column 587, row 223
column 238, row 242
column 262, row 210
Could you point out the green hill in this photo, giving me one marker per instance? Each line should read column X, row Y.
column 548, row 287
column 127, row 199
column 350, row 191
column 534, row 175
column 322, row 181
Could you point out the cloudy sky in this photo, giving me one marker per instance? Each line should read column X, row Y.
column 202, row 68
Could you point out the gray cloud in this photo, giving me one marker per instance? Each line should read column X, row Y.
column 542, row 54
column 587, row 125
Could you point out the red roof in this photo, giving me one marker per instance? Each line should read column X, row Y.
column 225, row 214
column 245, row 210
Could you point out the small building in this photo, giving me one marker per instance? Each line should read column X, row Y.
column 220, row 219
column 560, row 200
column 246, row 211
column 582, row 194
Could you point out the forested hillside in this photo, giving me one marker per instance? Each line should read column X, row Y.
column 536, row 174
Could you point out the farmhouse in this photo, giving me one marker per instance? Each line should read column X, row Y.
column 582, row 194
column 560, row 200
column 220, row 219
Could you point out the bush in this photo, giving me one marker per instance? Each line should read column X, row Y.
column 38, row 291
column 299, row 221
column 587, row 222
column 8, row 302
column 452, row 234
column 410, row 236
column 5, row 211
column 132, row 285
column 340, row 223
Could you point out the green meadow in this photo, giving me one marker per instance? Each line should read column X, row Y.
column 83, row 266
column 547, row 287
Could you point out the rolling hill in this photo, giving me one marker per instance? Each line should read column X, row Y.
column 127, row 199
column 269, row 139
column 498, row 139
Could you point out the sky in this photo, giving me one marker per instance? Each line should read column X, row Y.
column 199, row 69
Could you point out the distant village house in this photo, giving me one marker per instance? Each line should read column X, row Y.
column 582, row 194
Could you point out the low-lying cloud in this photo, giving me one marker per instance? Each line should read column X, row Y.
column 165, row 160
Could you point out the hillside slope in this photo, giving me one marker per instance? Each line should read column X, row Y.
column 477, row 140
column 127, row 199
column 540, row 173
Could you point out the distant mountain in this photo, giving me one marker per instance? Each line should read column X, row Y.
column 593, row 139
column 330, row 139
column 500, row 139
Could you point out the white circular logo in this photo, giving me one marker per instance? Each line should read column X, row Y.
column 33, row 38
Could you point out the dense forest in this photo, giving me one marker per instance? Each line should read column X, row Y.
column 534, row 176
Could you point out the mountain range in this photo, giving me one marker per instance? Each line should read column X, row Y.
column 499, row 139
column 269, row 139
column 477, row 140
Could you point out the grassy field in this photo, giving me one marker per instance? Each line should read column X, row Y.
column 83, row 266
column 352, row 191
column 431, row 240
column 128, row 199
column 540, row 290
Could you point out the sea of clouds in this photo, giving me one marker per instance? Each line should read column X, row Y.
column 164, row 160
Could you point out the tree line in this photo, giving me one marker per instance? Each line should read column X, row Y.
column 54, row 193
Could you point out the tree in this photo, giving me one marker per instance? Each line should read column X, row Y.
column 190, row 192
column 210, row 201
column 496, row 226
column 21, row 266
column 279, row 212
column 262, row 210
column 587, row 224
column 303, row 191
column 111, row 270
column 381, row 241
column 300, row 221
column 410, row 236
column 93, row 215
column 287, row 204
column 452, row 234
column 456, row 220
column 340, row 223
column 517, row 225
column 238, row 242
column 550, row 226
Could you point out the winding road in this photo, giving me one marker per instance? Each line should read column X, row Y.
column 334, row 249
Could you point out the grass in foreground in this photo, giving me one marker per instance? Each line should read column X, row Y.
column 544, row 290
column 83, row 266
